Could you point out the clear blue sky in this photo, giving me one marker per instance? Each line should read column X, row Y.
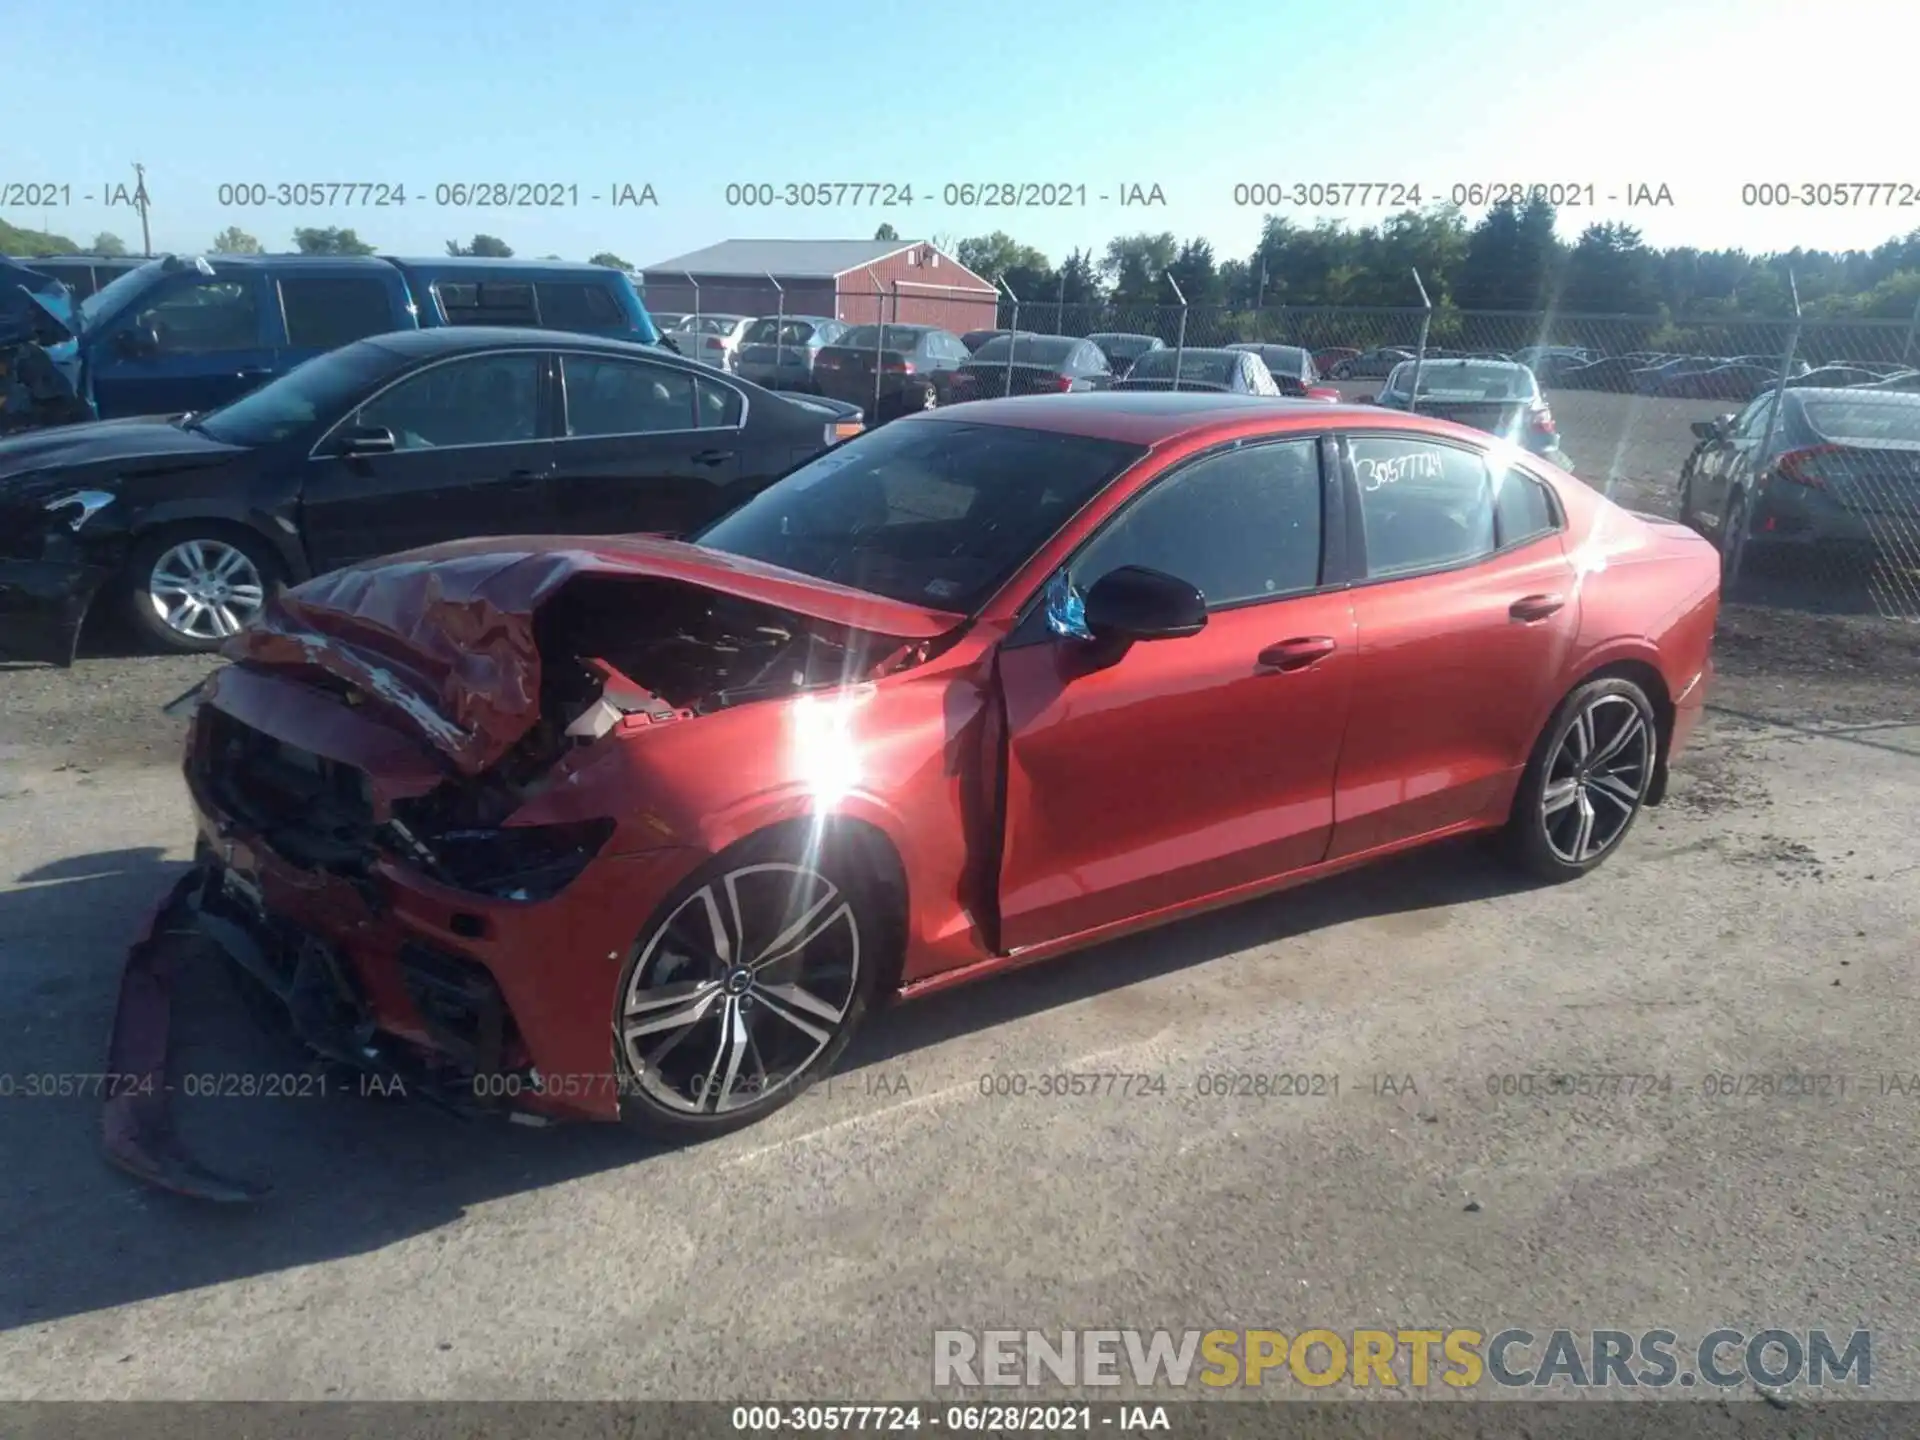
column 1194, row 96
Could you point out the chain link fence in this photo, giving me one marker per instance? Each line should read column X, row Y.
column 1813, row 497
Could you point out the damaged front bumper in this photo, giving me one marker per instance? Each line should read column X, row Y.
column 482, row 1006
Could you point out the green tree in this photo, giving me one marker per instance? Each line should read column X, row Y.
column 1137, row 266
column 1610, row 272
column 108, row 243
column 1511, row 259
column 330, row 241
column 992, row 257
column 1196, row 273
column 235, row 241
column 607, row 257
column 886, row 232
column 15, row 241
column 488, row 245
column 1080, row 279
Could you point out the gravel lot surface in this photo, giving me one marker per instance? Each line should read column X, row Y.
column 1762, row 922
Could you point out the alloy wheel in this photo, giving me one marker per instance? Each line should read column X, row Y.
column 205, row 589
column 741, row 989
column 1596, row 779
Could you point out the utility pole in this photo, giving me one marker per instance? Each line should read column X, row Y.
column 141, row 202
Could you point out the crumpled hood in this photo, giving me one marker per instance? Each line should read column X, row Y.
column 444, row 636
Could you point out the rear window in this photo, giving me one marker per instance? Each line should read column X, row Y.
column 1890, row 418
column 1470, row 381
column 867, row 337
column 789, row 332
column 490, row 302
column 324, row 313
column 579, row 305
column 1209, row 368
column 1029, row 349
column 1124, row 347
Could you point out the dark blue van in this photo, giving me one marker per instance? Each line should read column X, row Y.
column 191, row 333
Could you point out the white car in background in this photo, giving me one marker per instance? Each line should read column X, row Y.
column 711, row 339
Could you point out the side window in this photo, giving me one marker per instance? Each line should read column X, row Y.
column 1422, row 506
column 721, row 406
column 485, row 400
column 1522, row 508
column 326, row 313
column 489, row 302
column 578, row 306
column 606, row 396
column 1241, row 525
column 204, row 315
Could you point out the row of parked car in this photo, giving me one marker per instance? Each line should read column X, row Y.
column 895, row 368
column 1642, row 372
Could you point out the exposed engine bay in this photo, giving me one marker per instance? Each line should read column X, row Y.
column 615, row 654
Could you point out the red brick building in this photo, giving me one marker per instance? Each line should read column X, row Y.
column 859, row 281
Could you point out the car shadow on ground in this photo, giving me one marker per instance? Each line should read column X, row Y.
column 353, row 1173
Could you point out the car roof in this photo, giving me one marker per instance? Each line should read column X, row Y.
column 1120, row 335
column 1149, row 417
column 458, row 339
column 1804, row 393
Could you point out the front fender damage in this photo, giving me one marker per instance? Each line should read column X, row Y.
column 136, row 1123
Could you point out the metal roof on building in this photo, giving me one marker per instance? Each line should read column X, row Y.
column 797, row 259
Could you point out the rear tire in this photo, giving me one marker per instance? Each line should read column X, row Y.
column 1586, row 782
column 748, row 984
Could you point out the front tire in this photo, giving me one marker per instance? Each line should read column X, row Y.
column 1586, row 783
column 189, row 588
column 747, row 985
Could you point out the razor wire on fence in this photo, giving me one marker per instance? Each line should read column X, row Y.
column 1823, row 486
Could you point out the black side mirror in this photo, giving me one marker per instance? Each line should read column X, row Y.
column 368, row 440
column 138, row 340
column 1135, row 603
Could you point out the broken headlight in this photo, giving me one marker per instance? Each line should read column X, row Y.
column 518, row 862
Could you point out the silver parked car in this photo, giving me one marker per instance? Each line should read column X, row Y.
column 778, row 352
column 711, row 339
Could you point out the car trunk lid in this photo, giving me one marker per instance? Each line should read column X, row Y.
column 983, row 378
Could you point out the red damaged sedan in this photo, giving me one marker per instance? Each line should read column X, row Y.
column 645, row 829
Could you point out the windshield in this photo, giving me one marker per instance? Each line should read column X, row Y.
column 867, row 337
column 939, row 515
column 1127, row 347
column 317, row 391
column 1893, row 418
column 712, row 324
column 1206, row 366
column 1448, row 381
column 109, row 299
column 1027, row 350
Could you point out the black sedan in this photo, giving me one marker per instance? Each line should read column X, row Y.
column 890, row 370
column 1032, row 365
column 1234, row 372
column 396, row 441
